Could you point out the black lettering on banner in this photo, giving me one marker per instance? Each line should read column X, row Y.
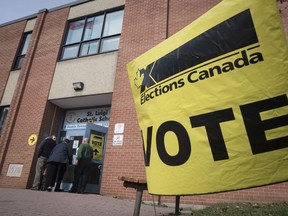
column 255, row 127
column 183, row 141
column 227, row 66
column 232, row 34
column 159, row 90
column 212, row 121
column 147, row 153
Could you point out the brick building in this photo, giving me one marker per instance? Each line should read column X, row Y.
column 63, row 71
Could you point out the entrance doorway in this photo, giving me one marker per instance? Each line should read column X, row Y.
column 97, row 140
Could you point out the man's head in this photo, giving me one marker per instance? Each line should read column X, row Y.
column 53, row 137
column 85, row 140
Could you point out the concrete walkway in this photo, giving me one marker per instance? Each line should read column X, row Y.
column 25, row 202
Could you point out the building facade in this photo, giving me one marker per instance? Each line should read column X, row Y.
column 63, row 72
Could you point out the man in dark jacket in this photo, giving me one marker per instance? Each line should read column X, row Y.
column 57, row 163
column 43, row 153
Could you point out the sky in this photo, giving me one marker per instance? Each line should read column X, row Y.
column 15, row 9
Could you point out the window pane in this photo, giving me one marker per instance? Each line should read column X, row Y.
column 75, row 32
column 26, row 44
column 89, row 48
column 93, row 27
column 70, row 52
column 3, row 115
column 110, row 44
column 22, row 51
column 19, row 62
column 113, row 23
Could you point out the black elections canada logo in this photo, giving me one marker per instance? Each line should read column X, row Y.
column 194, row 57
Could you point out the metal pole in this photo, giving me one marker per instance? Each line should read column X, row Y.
column 139, row 193
column 177, row 204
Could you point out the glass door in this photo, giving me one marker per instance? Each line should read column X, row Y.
column 97, row 140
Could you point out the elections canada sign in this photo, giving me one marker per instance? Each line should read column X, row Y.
column 212, row 102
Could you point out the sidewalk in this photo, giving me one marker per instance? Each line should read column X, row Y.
column 24, row 202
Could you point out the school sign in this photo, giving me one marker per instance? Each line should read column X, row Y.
column 212, row 102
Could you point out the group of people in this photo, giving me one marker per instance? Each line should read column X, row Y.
column 52, row 163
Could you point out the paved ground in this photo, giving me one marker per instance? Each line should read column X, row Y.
column 21, row 202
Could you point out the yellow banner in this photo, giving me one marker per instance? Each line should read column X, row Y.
column 97, row 142
column 212, row 102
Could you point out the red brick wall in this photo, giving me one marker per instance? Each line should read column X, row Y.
column 50, row 125
column 10, row 37
column 181, row 15
column 29, row 112
column 145, row 25
column 143, row 28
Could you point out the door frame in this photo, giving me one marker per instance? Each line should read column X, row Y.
column 94, row 188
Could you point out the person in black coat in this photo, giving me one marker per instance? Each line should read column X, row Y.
column 60, row 156
column 43, row 153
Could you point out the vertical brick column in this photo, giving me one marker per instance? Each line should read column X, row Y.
column 144, row 26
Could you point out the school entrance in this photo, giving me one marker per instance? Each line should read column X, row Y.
column 83, row 123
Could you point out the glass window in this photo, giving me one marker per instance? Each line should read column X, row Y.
column 110, row 44
column 26, row 43
column 113, row 23
column 88, row 33
column 75, row 32
column 70, row 52
column 3, row 115
column 89, row 48
column 93, row 28
column 22, row 51
column 19, row 62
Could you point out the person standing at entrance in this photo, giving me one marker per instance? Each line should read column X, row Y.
column 43, row 153
column 83, row 160
column 57, row 162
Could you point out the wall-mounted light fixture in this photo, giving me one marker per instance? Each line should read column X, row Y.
column 78, row 86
